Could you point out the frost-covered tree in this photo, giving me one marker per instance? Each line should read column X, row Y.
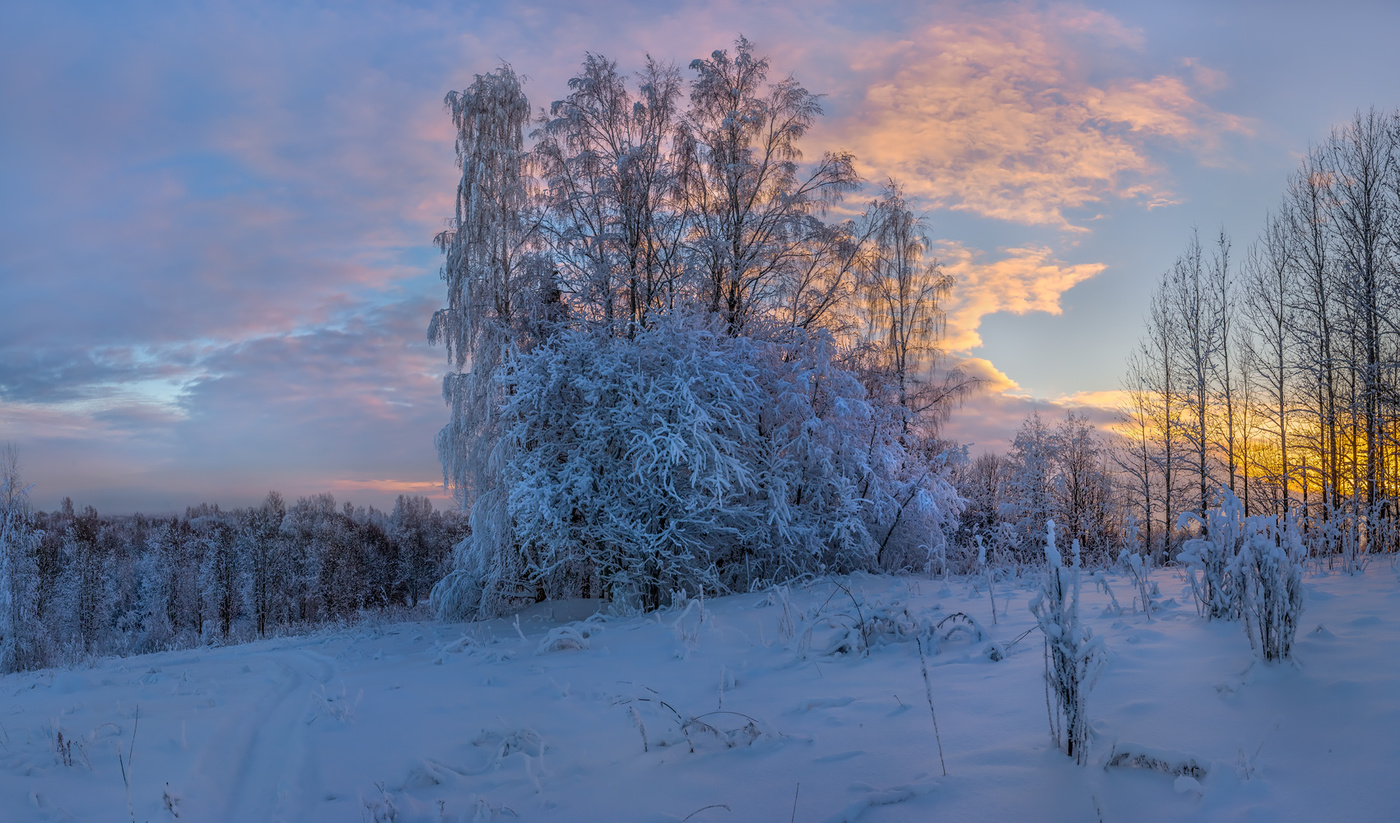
column 1198, row 352
column 419, row 564
column 219, row 575
column 1061, row 474
column 20, row 637
column 1083, row 491
column 1269, row 284
column 1030, row 485
column 495, row 286
column 613, row 220
column 86, row 591
column 260, row 545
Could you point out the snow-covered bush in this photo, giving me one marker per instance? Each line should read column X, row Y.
column 1073, row 656
column 1210, row 558
column 685, row 458
column 1249, row 567
column 1270, row 572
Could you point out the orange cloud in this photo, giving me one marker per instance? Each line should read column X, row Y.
column 994, row 380
column 990, row 419
column 997, row 115
column 390, row 486
column 1105, row 400
column 1025, row 280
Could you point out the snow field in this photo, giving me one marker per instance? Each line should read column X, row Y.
column 757, row 707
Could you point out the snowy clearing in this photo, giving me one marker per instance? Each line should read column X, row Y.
column 753, row 707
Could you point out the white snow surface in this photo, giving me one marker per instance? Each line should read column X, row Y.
column 721, row 712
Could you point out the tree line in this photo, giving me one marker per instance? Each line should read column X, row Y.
column 74, row 583
column 1275, row 372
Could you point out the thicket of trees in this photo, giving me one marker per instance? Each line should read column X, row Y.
column 1276, row 373
column 75, row 584
column 670, row 368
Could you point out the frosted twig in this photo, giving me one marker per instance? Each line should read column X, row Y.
column 928, row 691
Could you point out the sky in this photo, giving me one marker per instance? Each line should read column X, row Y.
column 216, row 269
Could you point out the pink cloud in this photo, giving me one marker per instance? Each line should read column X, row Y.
column 997, row 114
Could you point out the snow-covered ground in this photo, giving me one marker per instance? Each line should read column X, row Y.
column 740, row 709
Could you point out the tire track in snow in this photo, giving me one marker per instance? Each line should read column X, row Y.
column 256, row 766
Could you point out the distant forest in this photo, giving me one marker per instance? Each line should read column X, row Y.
column 80, row 584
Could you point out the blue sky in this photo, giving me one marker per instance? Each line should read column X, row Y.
column 215, row 221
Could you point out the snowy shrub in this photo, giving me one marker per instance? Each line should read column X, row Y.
column 1249, row 567
column 1269, row 568
column 566, row 638
column 684, row 458
column 1073, row 656
column 1340, row 535
column 1210, row 558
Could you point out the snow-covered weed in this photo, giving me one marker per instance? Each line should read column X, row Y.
column 171, row 802
column 381, row 809
column 483, row 810
column 781, row 597
column 69, row 749
column 1249, row 567
column 958, row 626
column 339, row 708
column 1175, row 764
column 1269, row 566
column 987, row 572
column 731, row 729
column 1137, row 570
column 503, row 744
column 724, row 726
column 573, row 637
column 687, row 625
column 1209, row 559
column 462, row 644
column 928, row 692
column 1073, row 656
column 1100, row 580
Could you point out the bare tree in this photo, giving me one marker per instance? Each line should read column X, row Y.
column 1198, row 355
column 1269, row 283
column 740, row 173
column 904, row 290
column 1136, row 456
column 1222, row 302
